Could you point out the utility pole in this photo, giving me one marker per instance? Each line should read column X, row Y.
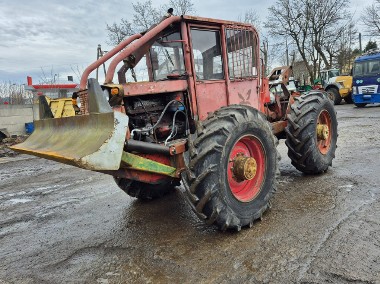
column 287, row 51
column 99, row 54
column 265, row 53
column 360, row 42
column 266, row 56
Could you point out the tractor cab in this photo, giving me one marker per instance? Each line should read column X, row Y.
column 193, row 58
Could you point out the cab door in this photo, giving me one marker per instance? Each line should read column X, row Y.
column 208, row 67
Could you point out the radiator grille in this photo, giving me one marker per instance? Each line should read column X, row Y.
column 368, row 89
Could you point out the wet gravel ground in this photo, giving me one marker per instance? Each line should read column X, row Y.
column 60, row 224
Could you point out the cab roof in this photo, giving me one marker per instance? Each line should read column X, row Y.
column 201, row 20
column 371, row 56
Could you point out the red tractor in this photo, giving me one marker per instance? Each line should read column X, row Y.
column 206, row 116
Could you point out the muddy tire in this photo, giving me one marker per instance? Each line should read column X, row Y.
column 145, row 191
column 334, row 96
column 212, row 189
column 310, row 153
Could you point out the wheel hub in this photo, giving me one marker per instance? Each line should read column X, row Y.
column 322, row 131
column 244, row 168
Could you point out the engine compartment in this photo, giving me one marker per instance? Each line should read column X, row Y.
column 157, row 119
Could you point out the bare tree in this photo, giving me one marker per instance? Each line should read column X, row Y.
column 311, row 26
column 325, row 16
column 181, row 7
column 339, row 45
column 118, row 32
column 12, row 93
column 77, row 71
column 251, row 17
column 371, row 18
column 145, row 15
column 286, row 22
column 46, row 78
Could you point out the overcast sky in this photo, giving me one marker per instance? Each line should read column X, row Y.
column 59, row 35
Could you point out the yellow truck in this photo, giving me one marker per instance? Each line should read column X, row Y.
column 337, row 86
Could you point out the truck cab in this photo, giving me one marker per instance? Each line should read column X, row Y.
column 338, row 86
column 366, row 79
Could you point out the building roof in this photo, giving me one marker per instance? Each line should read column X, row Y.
column 58, row 85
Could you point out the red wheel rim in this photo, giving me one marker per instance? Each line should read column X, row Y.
column 247, row 190
column 324, row 144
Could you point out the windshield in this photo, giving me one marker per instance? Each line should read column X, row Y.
column 367, row 68
column 326, row 75
column 167, row 56
column 333, row 73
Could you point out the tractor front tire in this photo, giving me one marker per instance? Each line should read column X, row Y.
column 312, row 133
column 218, row 193
column 145, row 191
column 334, row 96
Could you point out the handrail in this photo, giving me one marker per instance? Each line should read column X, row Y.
column 144, row 39
column 101, row 60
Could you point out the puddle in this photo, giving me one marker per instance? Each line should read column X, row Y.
column 346, row 186
column 19, row 200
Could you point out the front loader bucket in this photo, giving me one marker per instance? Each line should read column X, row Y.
column 93, row 141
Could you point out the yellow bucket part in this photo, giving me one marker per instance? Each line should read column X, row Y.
column 61, row 107
column 93, row 142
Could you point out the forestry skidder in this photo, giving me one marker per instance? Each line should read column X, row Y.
column 206, row 116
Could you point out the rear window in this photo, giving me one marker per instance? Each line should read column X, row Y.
column 241, row 53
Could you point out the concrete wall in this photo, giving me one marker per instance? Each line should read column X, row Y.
column 14, row 117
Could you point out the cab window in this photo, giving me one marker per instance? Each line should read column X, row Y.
column 167, row 56
column 241, row 53
column 207, row 57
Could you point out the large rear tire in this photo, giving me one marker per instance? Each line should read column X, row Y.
column 312, row 133
column 218, row 193
column 145, row 191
